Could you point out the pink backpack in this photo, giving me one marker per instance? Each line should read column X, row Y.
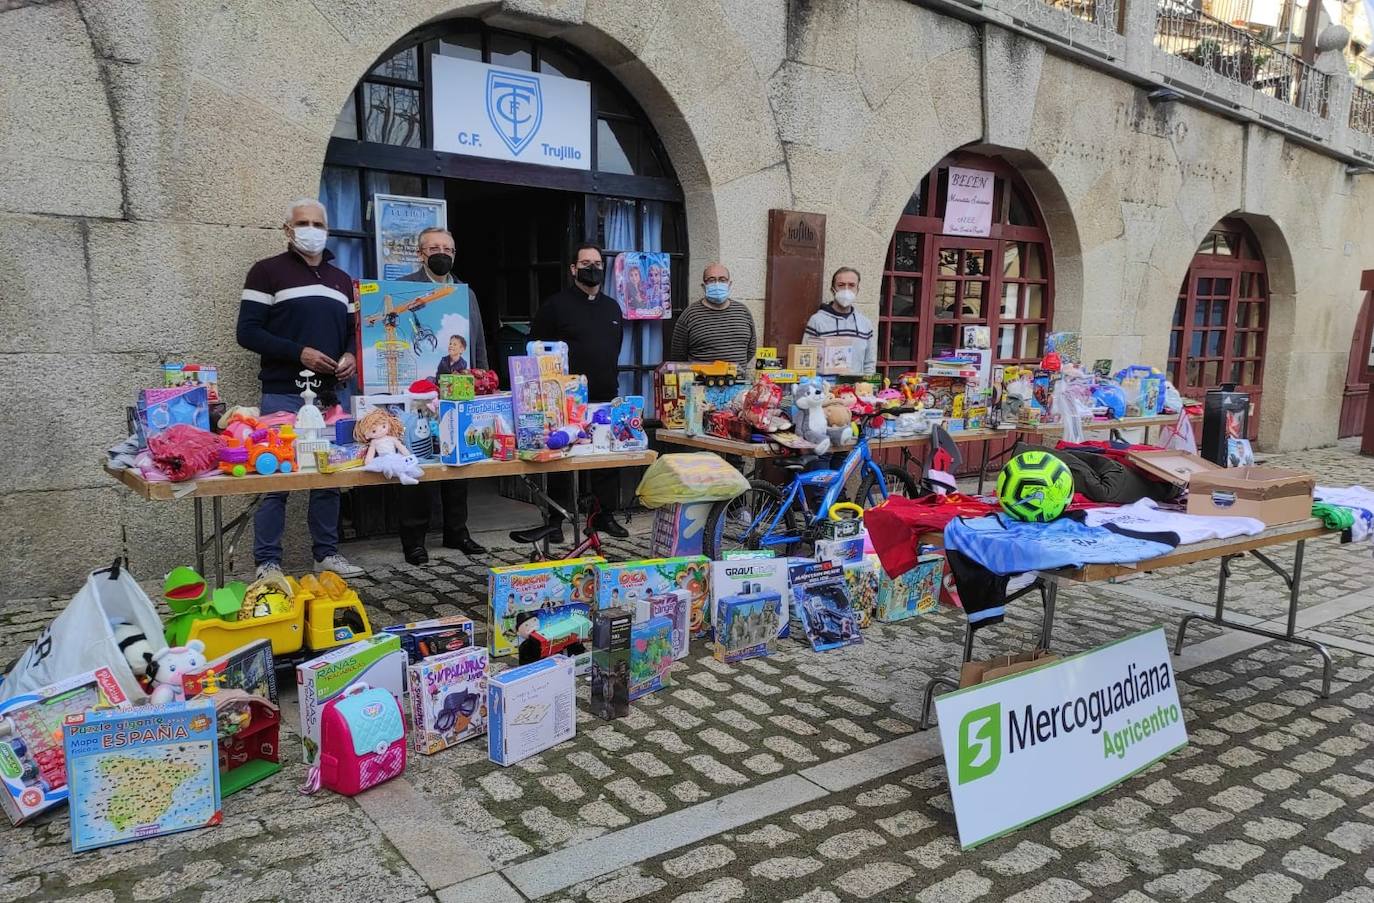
column 362, row 741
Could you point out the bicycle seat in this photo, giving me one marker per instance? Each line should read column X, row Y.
column 536, row 535
column 794, row 466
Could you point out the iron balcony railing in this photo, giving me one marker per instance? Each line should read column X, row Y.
column 1362, row 111
column 1235, row 54
column 1103, row 13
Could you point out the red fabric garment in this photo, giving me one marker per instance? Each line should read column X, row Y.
column 895, row 527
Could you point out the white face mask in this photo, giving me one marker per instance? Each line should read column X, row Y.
column 309, row 239
column 844, row 297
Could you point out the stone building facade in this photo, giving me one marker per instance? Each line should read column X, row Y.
column 147, row 149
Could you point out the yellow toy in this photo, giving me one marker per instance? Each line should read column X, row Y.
column 271, row 596
column 319, row 613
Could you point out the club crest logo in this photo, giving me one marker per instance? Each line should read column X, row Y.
column 515, row 108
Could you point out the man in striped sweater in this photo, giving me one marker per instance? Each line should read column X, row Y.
column 716, row 327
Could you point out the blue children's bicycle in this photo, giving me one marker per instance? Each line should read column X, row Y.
column 766, row 517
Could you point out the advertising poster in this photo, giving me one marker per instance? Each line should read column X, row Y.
column 968, row 210
column 400, row 220
column 641, row 281
column 406, row 329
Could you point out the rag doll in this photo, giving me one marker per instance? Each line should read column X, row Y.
column 386, row 453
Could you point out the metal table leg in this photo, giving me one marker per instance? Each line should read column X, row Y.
column 217, row 516
column 983, row 467
column 200, row 534
column 1049, row 593
column 1293, row 580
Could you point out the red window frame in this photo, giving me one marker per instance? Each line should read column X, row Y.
column 1221, row 318
column 979, row 272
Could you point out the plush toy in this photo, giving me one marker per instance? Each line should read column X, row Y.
column 183, row 452
column 485, row 382
column 168, row 666
column 138, row 652
column 809, row 398
column 386, row 453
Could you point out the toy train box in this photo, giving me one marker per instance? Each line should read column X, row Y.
column 821, row 610
column 550, row 588
column 33, row 766
column 914, row 593
column 249, row 668
column 141, row 772
column 737, row 577
column 622, row 582
column 610, row 672
column 448, row 699
column 531, row 708
column 651, row 657
column 481, row 429
column 377, row 661
column 435, row 636
column 676, row 606
column 745, row 623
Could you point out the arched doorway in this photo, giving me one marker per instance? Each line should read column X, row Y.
column 514, row 222
column 1221, row 317
column 935, row 284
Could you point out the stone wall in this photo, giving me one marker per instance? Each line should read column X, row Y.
column 146, row 151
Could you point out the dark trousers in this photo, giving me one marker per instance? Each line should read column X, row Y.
column 604, row 483
column 415, row 504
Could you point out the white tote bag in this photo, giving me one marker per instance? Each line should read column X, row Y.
column 81, row 638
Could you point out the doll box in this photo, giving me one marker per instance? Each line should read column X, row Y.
column 378, row 661
column 531, row 708
column 142, row 772
column 477, row 430
column 619, row 583
column 550, row 588
column 740, row 576
column 651, row 656
column 914, row 593
column 33, row 770
column 448, row 699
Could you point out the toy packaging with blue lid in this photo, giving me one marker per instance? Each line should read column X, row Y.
column 530, row 708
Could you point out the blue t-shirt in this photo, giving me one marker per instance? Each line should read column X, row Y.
column 1007, row 546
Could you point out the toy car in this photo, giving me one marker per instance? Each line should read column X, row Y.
column 717, row 373
column 264, row 451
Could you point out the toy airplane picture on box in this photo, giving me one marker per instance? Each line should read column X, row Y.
column 448, row 699
column 821, row 611
column 141, row 773
column 622, row 582
column 736, row 577
column 377, row 661
column 651, row 657
column 33, row 766
column 549, row 589
column 531, row 708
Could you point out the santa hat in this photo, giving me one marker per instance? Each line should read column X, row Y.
column 423, row 389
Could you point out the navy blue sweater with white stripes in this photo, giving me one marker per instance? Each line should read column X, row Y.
column 288, row 305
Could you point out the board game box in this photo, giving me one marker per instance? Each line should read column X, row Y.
column 33, row 767
column 610, row 697
column 651, row 657
column 378, row 661
column 551, row 589
column 730, row 578
column 676, row 606
column 531, row 708
column 913, row 593
column 448, row 699
column 434, row 636
column 745, row 623
column 249, row 668
column 479, row 429
column 821, row 611
column 622, row 582
column 142, row 772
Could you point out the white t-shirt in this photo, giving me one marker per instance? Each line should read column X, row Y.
column 1145, row 516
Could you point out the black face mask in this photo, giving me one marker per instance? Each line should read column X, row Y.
column 590, row 275
column 440, row 264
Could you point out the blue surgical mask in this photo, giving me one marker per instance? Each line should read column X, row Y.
column 717, row 291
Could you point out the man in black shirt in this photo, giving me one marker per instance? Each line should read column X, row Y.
column 588, row 320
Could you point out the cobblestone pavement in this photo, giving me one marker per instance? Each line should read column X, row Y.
column 720, row 778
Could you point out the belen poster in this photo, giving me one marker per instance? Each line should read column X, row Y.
column 968, row 207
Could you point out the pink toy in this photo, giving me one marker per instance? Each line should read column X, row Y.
column 184, row 452
column 169, row 664
column 362, row 741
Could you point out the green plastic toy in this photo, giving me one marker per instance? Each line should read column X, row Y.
column 190, row 599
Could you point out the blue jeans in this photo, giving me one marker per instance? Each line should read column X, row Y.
column 269, row 522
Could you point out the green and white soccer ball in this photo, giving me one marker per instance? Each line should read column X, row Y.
column 1035, row 486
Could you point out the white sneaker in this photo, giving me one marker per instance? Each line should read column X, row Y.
column 268, row 570
column 339, row 565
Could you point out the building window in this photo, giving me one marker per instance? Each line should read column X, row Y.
column 1218, row 331
column 934, row 285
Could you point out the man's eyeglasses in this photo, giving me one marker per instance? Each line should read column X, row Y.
column 437, row 251
column 716, row 280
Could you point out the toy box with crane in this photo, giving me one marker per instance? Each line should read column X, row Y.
column 406, row 328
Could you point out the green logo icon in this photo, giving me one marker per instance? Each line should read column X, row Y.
column 980, row 743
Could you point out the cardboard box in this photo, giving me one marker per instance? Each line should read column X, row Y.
column 142, row 772
column 611, row 663
column 1170, row 466
column 803, row 357
column 651, row 657
column 744, row 623
column 482, row 429
column 531, row 708
column 750, row 577
column 620, row 583
column 448, row 699
column 841, row 551
column 676, row 606
column 33, row 771
column 1271, row 494
column 915, row 592
column 551, row 588
column 974, row 673
column 434, row 636
column 679, row 529
column 821, row 610
column 378, row 661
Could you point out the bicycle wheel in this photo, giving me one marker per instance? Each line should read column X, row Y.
column 899, row 482
column 728, row 524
